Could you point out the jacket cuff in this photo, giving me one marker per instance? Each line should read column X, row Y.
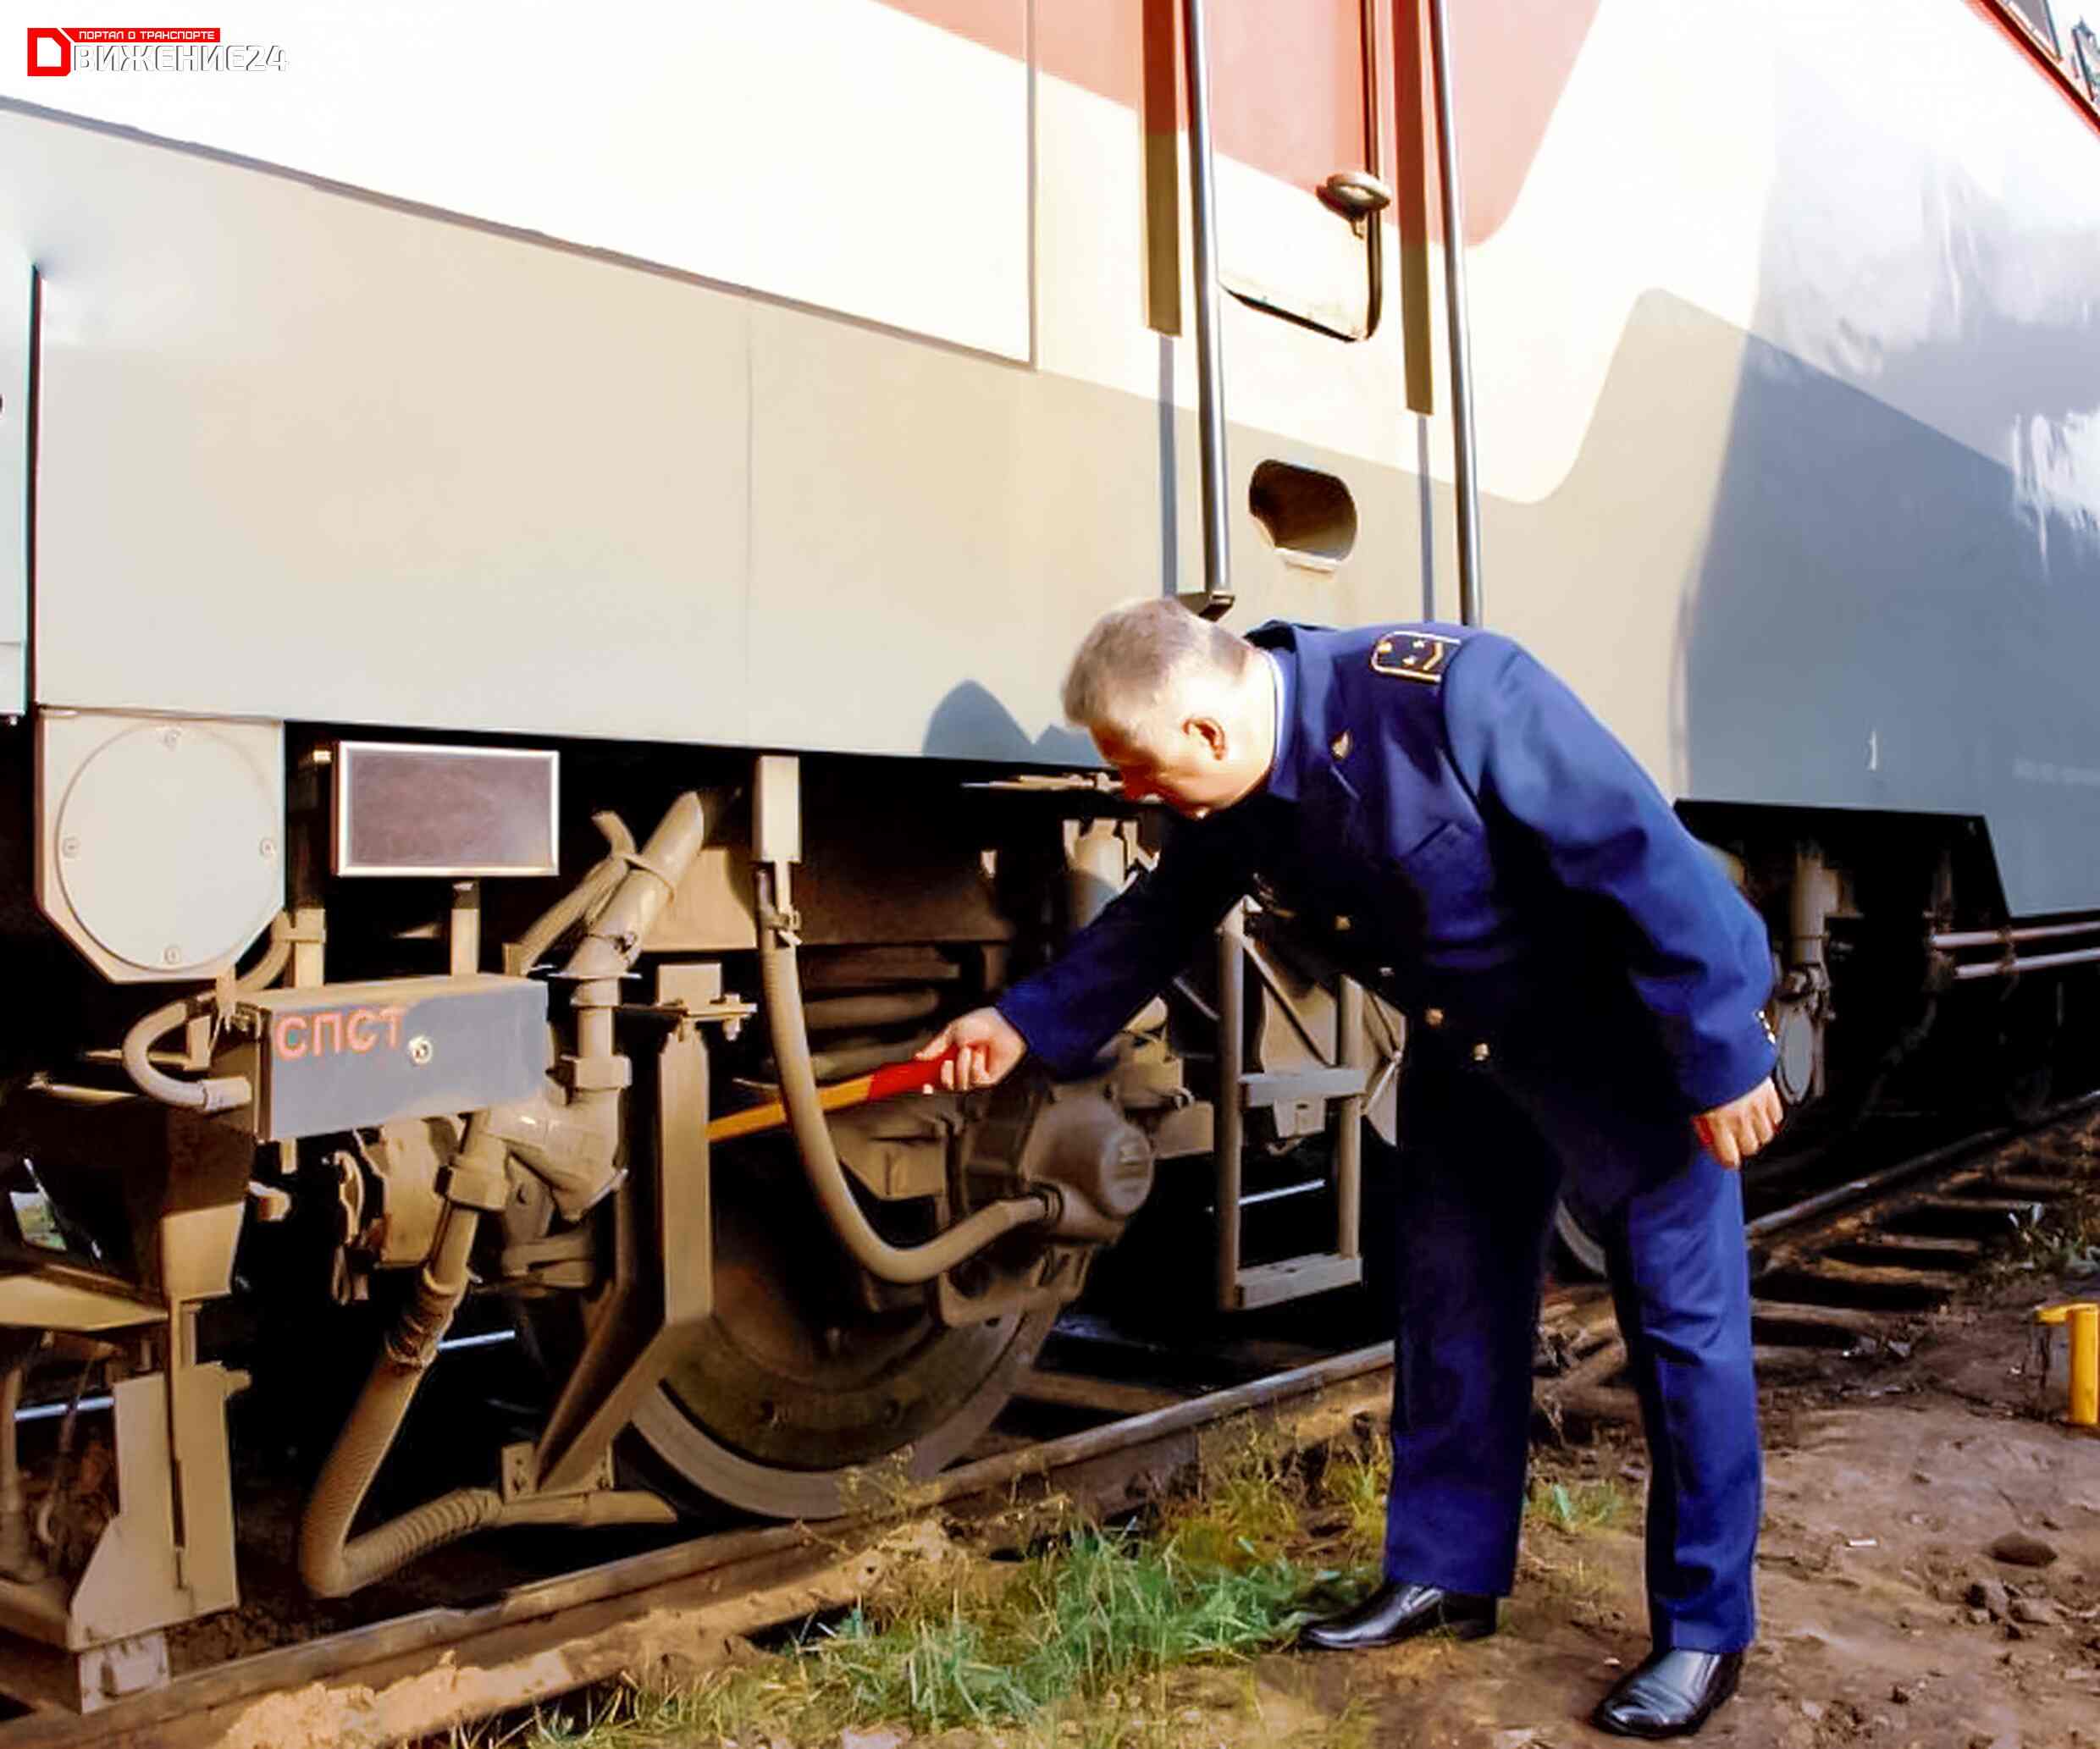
column 1726, row 1069
column 1033, row 1014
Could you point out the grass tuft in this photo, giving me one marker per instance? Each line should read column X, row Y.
column 1579, row 1506
column 1087, row 1644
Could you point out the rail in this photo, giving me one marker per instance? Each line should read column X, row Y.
column 417, row 1675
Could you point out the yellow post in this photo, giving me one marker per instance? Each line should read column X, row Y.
column 2084, row 1323
column 2083, row 1317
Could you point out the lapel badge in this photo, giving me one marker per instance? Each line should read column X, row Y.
column 1341, row 745
column 1413, row 656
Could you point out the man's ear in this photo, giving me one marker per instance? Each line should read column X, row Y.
column 1208, row 730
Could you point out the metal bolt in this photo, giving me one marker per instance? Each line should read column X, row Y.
column 421, row 1050
column 171, row 739
column 171, row 955
column 69, row 846
column 268, row 847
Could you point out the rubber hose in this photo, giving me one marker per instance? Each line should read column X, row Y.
column 221, row 1093
column 218, row 1093
column 781, row 984
column 330, row 1562
column 276, row 957
column 587, row 898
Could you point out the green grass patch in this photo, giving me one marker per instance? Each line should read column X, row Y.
column 1081, row 1646
column 1097, row 1617
column 1578, row 1505
column 1104, row 1610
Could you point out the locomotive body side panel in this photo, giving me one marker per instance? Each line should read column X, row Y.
column 1786, row 428
column 1790, row 389
column 369, row 466
column 402, row 469
column 792, row 151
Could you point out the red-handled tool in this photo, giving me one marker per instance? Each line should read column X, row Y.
column 909, row 1076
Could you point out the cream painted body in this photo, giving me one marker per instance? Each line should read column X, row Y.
column 744, row 424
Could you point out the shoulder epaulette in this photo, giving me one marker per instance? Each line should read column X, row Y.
column 1413, row 656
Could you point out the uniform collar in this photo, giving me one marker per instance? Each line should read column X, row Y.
column 1280, row 780
column 1274, row 640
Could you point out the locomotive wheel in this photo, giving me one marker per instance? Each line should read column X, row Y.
column 793, row 1382
column 1581, row 1249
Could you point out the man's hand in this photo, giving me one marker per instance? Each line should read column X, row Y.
column 986, row 1046
column 1735, row 1131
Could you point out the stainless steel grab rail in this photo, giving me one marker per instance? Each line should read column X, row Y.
column 1465, row 487
column 1217, row 598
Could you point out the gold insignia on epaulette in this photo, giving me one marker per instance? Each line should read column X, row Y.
column 1413, row 656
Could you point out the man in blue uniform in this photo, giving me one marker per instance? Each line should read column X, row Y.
column 1585, row 993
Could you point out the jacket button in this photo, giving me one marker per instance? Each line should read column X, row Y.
column 1432, row 1017
column 1480, row 1053
column 1342, row 925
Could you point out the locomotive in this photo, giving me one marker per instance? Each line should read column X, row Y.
column 540, row 558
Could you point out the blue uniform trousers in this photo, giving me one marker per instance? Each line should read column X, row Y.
column 1488, row 1151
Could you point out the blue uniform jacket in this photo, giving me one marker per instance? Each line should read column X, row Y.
column 1463, row 835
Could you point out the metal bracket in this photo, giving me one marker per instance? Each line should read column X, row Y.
column 518, row 1475
column 663, row 1282
column 140, row 1578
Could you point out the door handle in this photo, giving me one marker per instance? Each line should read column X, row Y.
column 1356, row 195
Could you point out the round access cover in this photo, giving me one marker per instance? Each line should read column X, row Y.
column 167, row 847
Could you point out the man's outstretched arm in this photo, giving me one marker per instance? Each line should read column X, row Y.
column 1110, row 969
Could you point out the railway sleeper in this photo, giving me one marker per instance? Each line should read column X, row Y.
column 1957, row 1214
column 1826, row 1281
column 1811, row 1326
column 2039, row 1187
column 1870, row 1247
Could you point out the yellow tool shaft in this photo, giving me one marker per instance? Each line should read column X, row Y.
column 773, row 1113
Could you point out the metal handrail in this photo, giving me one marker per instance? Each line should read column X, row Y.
column 2013, row 933
column 1217, row 598
column 1464, row 486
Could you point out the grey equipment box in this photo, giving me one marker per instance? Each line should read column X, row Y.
column 352, row 1055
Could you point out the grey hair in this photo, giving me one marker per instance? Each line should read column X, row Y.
column 1138, row 657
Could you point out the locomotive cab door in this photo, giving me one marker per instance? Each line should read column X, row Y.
column 1301, row 181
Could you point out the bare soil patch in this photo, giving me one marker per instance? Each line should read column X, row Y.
column 1886, row 1617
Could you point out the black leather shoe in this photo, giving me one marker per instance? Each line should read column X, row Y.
column 1394, row 1612
column 1668, row 1694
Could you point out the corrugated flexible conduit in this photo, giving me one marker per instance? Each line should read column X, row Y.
column 331, row 1562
